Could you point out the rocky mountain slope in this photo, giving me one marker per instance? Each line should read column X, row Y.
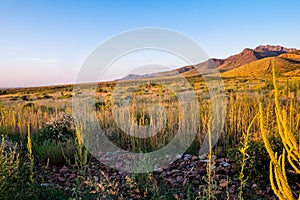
column 263, row 67
column 249, row 62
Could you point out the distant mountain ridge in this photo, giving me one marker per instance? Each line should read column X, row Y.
column 243, row 58
column 249, row 55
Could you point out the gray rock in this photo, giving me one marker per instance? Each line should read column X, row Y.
column 45, row 185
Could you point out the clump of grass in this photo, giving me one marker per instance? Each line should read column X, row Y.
column 55, row 152
column 15, row 118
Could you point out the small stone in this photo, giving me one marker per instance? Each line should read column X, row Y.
column 193, row 165
column 63, row 170
column 232, row 189
column 187, row 157
column 175, row 171
column 225, row 164
column 205, row 161
column 61, row 179
column 203, row 157
column 72, row 176
column 254, row 186
column 217, row 177
column 179, row 179
column 96, row 179
column 45, row 185
column 194, row 158
column 223, row 183
column 160, row 170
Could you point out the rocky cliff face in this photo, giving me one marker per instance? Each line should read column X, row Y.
column 277, row 48
column 269, row 51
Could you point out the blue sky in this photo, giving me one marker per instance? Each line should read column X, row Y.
column 45, row 42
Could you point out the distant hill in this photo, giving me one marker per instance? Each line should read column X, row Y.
column 249, row 62
column 292, row 56
column 246, row 56
column 250, row 55
column 263, row 67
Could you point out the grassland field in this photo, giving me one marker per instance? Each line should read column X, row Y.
column 39, row 107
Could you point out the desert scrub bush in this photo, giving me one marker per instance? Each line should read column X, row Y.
column 15, row 172
column 55, row 141
column 25, row 98
column 256, row 166
column 44, row 96
column 9, row 165
column 3, row 92
column 65, row 96
column 291, row 151
column 60, row 128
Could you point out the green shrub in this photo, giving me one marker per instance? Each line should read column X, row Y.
column 258, row 161
column 65, row 96
column 59, row 129
column 3, row 92
column 99, row 105
column 56, row 152
column 28, row 105
column 45, row 96
column 9, row 165
column 14, row 172
column 15, row 175
column 25, row 98
column 56, row 141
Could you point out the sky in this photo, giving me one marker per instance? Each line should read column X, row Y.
column 46, row 42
